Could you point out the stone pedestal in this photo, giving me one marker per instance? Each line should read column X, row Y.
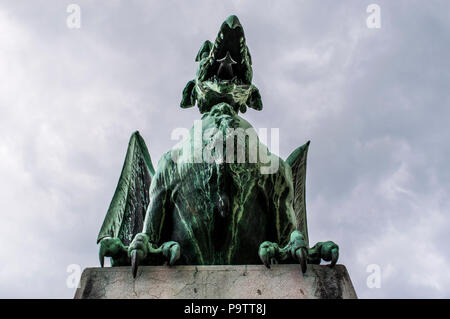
column 217, row 282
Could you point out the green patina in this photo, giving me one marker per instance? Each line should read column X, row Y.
column 219, row 197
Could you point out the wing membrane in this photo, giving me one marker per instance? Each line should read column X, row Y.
column 126, row 213
column 297, row 161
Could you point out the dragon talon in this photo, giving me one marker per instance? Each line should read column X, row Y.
column 335, row 256
column 113, row 248
column 134, row 263
column 300, row 254
column 267, row 252
column 174, row 254
column 263, row 260
column 101, row 256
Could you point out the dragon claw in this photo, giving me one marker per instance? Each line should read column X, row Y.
column 174, row 254
column 334, row 256
column 296, row 249
column 267, row 252
column 101, row 258
column 302, row 258
column 171, row 250
column 134, row 263
column 328, row 251
column 112, row 247
column 101, row 255
column 141, row 249
column 138, row 251
column 265, row 261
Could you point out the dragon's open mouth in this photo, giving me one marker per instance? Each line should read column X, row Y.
column 229, row 58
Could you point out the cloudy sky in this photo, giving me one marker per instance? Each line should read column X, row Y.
column 374, row 103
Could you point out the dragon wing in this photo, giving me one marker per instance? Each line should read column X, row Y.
column 297, row 162
column 126, row 213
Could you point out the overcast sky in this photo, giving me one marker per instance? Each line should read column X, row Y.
column 374, row 103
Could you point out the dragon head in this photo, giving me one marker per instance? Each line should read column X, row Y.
column 224, row 73
column 228, row 58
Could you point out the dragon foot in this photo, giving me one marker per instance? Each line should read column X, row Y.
column 141, row 248
column 271, row 253
column 327, row 251
column 114, row 248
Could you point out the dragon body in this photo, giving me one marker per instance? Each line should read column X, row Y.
column 218, row 197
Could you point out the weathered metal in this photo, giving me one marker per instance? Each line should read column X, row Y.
column 230, row 207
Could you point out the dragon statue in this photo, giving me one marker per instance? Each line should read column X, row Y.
column 205, row 207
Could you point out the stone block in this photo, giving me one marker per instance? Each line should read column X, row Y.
column 217, row 282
